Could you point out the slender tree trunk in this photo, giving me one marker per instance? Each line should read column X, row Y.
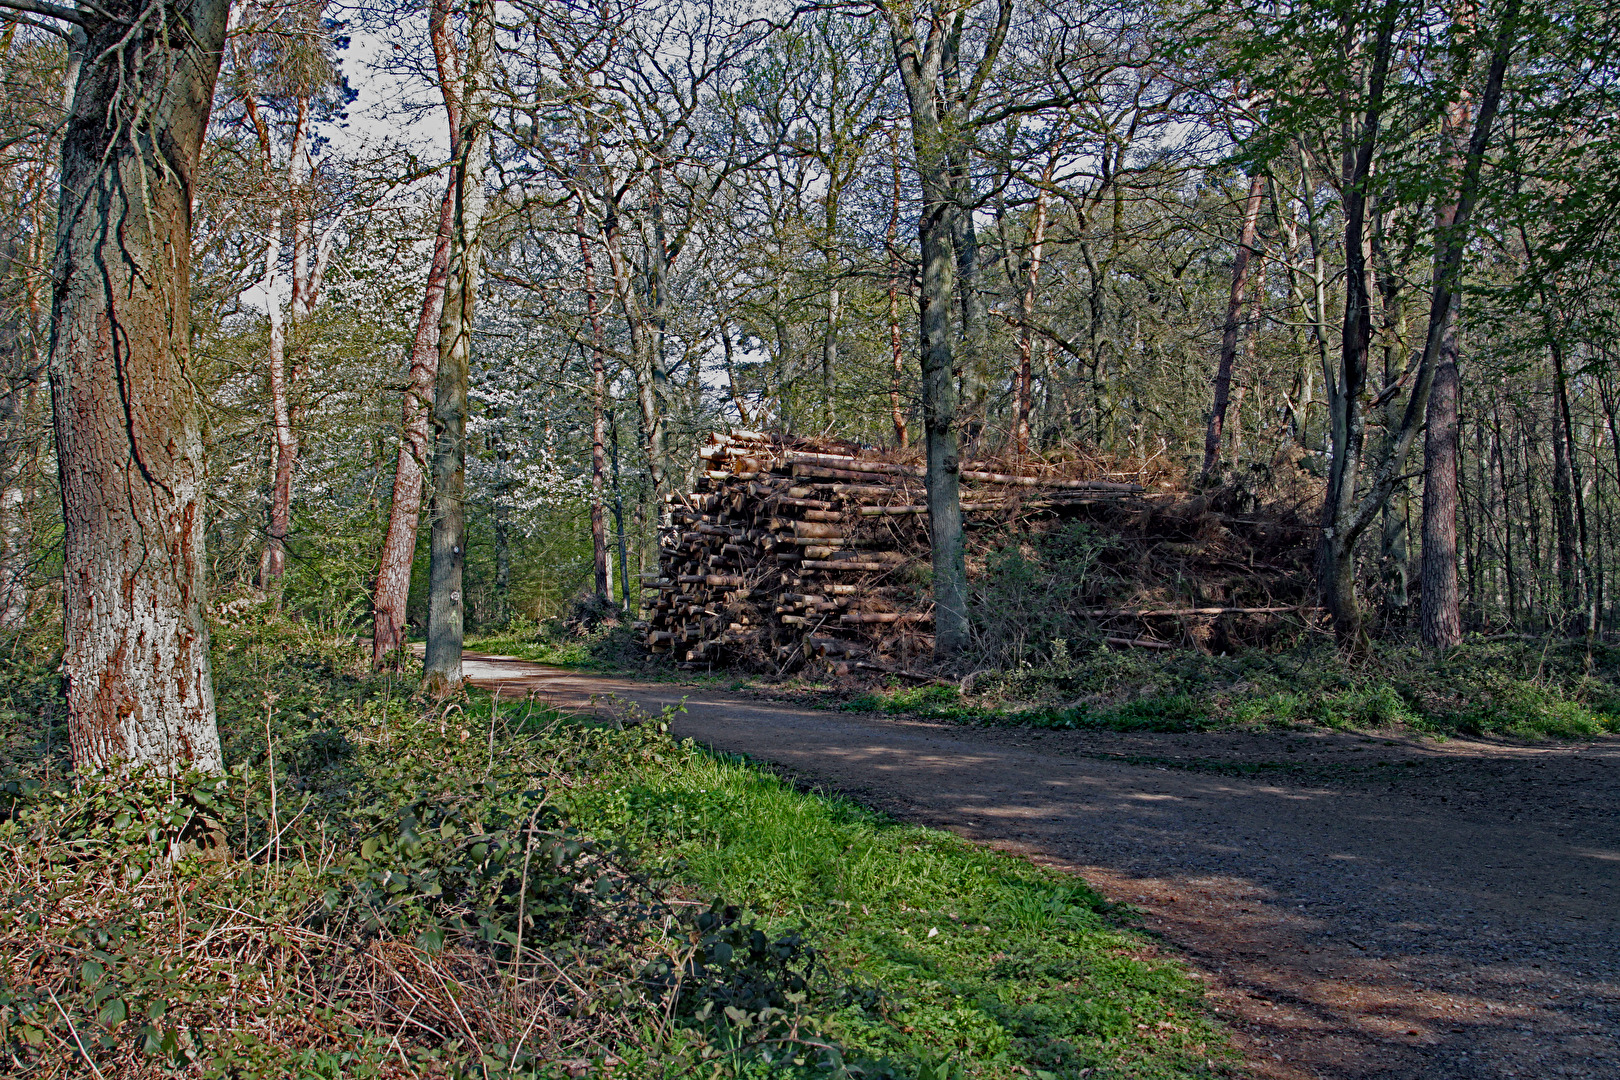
column 128, row 431
column 599, row 548
column 405, row 511
column 1441, row 610
column 1026, row 333
column 1234, row 324
column 738, row 401
column 273, row 561
column 392, row 595
column 919, row 63
column 648, row 390
column 618, row 510
column 1568, row 498
column 448, row 539
column 897, row 414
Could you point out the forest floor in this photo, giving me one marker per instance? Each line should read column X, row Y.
column 1358, row 905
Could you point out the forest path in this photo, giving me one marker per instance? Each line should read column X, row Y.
column 1359, row 907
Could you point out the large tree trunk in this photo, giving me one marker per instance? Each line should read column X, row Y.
column 1234, row 323
column 128, row 434
column 405, row 510
column 448, row 539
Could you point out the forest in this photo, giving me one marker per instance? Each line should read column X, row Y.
column 337, row 335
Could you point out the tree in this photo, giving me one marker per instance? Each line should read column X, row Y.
column 128, row 432
column 392, row 591
column 448, row 550
column 1234, row 322
column 283, row 73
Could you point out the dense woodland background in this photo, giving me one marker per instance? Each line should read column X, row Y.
column 745, row 186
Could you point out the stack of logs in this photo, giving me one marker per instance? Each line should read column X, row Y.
column 790, row 552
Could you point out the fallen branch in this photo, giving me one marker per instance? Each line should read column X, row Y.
column 1147, row 613
column 1139, row 643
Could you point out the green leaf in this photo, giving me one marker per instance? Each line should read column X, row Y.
column 113, row 1013
column 368, row 849
column 91, row 973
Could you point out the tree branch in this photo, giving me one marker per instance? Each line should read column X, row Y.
column 42, row 7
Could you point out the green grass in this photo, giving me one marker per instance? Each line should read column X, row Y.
column 1519, row 690
column 946, row 952
column 360, row 824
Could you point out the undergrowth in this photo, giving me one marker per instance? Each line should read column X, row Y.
column 1519, row 689
column 384, row 886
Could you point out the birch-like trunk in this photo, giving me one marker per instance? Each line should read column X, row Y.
column 128, row 429
column 1026, row 331
column 1234, row 324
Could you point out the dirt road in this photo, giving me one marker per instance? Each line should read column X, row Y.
column 1359, row 907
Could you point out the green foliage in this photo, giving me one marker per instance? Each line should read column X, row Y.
column 610, row 646
column 1027, row 594
column 370, row 856
column 955, row 961
column 33, row 717
column 1518, row 689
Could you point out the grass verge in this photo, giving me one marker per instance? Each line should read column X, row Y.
column 383, row 886
column 1518, row 689
column 953, row 960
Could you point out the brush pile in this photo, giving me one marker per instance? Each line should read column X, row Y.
column 790, row 552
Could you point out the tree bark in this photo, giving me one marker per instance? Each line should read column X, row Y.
column 448, row 538
column 405, row 510
column 1234, row 323
column 599, row 546
column 919, row 60
column 128, row 433
column 897, row 414
column 1440, row 613
column 1345, row 516
column 392, row 594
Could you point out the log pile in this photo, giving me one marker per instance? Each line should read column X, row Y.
column 790, row 552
